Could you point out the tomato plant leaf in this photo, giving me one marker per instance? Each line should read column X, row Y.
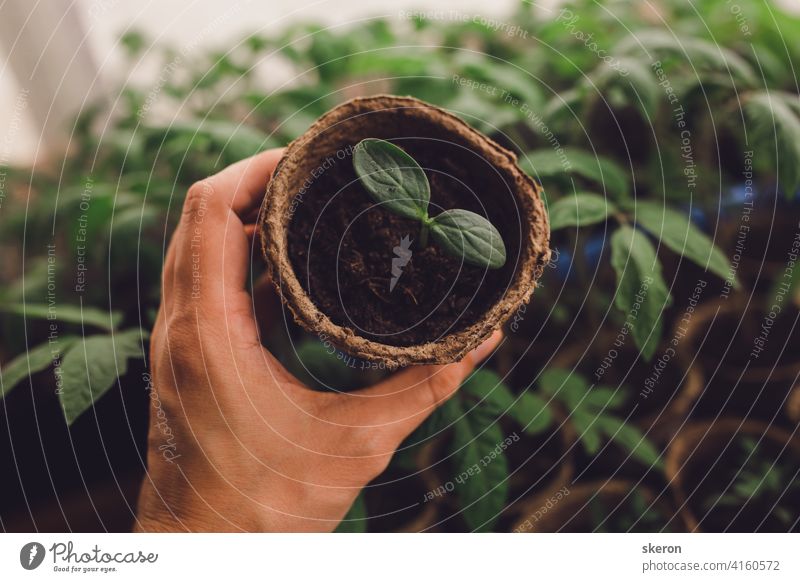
column 548, row 163
column 481, row 479
column 488, row 388
column 630, row 438
column 91, row 366
column 66, row 313
column 32, row 361
column 531, row 411
column 641, row 293
column 581, row 209
column 676, row 230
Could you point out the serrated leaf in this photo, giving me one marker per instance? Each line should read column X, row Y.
column 699, row 53
column 483, row 494
column 581, row 209
column 641, row 292
column 678, row 233
column 566, row 102
column 392, row 177
column 488, row 388
column 528, row 409
column 605, row 397
column 775, row 126
column 508, row 77
column 465, row 234
column 588, row 433
column 548, row 163
column 531, row 412
column 565, row 385
column 445, row 416
column 630, row 438
column 32, row 361
column 638, row 84
column 356, row 519
column 67, row 313
column 91, row 366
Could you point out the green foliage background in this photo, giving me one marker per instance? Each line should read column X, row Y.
column 606, row 147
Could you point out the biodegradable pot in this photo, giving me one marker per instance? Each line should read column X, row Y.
column 336, row 282
column 703, row 444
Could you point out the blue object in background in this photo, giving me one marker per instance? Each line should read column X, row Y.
column 593, row 250
column 733, row 198
column 698, row 216
column 736, row 195
column 561, row 264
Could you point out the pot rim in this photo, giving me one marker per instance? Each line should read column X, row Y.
column 276, row 218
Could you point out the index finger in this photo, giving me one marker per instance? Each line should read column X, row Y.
column 210, row 244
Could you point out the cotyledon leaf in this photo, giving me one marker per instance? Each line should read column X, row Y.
column 392, row 177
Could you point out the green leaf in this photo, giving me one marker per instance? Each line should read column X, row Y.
column 589, row 414
column 513, row 80
column 440, row 420
column 639, row 84
column 90, row 368
column 775, row 127
column 392, row 177
column 697, row 52
column 548, row 163
column 483, row 493
column 465, row 234
column 606, row 398
column 133, row 42
column 579, row 210
column 567, row 386
column 641, row 293
column 66, row 313
column 529, row 410
column 488, row 388
column 356, row 519
column 588, row 430
column 235, row 141
column 678, row 233
column 630, row 438
column 532, row 412
column 32, row 361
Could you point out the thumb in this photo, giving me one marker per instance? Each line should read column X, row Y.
column 403, row 401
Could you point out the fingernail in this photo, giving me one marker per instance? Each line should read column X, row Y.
column 482, row 351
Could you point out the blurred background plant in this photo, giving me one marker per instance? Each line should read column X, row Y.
column 658, row 131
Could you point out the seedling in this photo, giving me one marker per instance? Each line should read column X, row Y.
column 394, row 179
column 760, row 479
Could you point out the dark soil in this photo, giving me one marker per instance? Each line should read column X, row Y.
column 341, row 247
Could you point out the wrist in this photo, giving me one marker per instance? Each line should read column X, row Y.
column 170, row 501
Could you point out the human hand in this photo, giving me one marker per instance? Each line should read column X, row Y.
column 236, row 442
